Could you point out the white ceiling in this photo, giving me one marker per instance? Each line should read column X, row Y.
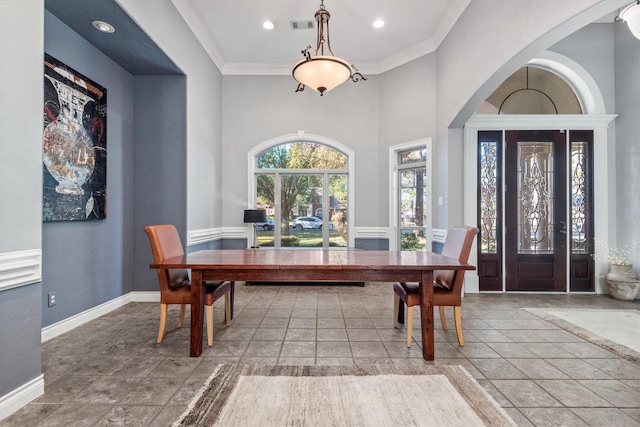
column 231, row 31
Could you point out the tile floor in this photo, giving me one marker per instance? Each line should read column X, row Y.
column 111, row 372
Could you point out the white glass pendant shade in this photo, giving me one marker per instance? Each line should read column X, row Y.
column 631, row 16
column 322, row 73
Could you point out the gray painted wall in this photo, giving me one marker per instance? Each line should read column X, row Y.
column 259, row 108
column 593, row 48
column 407, row 112
column 627, row 168
column 165, row 26
column 368, row 117
column 87, row 263
column 21, row 99
column 487, row 44
column 160, row 166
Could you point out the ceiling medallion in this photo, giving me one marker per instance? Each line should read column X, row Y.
column 323, row 72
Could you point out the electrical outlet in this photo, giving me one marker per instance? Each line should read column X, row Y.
column 51, row 299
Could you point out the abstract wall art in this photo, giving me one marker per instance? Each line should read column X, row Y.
column 74, row 145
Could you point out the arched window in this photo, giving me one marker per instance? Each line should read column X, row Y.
column 298, row 182
column 532, row 90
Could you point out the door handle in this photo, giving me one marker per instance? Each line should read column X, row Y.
column 563, row 227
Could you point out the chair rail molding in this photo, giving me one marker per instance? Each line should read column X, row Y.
column 20, row 268
column 372, row 232
column 439, row 235
column 197, row 237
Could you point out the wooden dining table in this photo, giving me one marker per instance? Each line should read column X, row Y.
column 313, row 265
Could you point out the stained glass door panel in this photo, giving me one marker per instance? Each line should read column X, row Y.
column 536, row 211
column 490, row 210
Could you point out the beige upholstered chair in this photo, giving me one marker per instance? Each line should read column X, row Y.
column 447, row 286
column 175, row 287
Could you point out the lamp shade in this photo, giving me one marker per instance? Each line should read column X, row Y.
column 631, row 15
column 322, row 73
column 255, row 215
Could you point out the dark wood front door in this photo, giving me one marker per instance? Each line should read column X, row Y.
column 536, row 211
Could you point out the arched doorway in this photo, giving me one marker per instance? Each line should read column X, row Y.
column 535, row 152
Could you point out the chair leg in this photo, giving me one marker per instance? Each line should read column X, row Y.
column 409, row 324
column 181, row 318
column 396, row 309
column 208, row 311
column 458, row 320
column 443, row 319
column 227, row 308
column 163, row 322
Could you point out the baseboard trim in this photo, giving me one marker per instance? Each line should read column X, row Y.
column 16, row 399
column 145, row 296
column 79, row 319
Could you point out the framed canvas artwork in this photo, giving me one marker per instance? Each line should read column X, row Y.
column 74, row 145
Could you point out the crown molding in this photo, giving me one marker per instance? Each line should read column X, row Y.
column 194, row 21
column 20, row 268
column 452, row 11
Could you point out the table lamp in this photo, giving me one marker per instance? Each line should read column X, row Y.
column 253, row 216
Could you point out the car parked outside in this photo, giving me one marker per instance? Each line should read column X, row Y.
column 306, row 222
column 269, row 225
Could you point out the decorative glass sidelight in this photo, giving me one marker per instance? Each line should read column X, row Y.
column 580, row 198
column 535, row 189
column 488, row 197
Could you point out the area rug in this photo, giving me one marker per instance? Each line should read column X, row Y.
column 364, row 395
column 617, row 330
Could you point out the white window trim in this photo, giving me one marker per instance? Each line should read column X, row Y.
column 394, row 220
column 302, row 136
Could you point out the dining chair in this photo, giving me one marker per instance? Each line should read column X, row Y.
column 175, row 285
column 447, row 285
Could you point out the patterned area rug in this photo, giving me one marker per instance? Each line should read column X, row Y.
column 369, row 395
column 599, row 326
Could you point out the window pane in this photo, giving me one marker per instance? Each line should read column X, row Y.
column 301, row 155
column 488, row 197
column 412, row 197
column 301, row 198
column 413, row 156
column 412, row 204
column 265, row 200
column 535, row 189
column 580, row 198
column 338, row 200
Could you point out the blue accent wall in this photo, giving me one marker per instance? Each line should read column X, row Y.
column 160, row 164
column 372, row 244
column 19, row 336
column 87, row 263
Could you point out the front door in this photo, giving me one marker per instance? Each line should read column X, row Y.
column 548, row 211
column 535, row 211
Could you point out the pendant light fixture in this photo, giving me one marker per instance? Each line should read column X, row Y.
column 631, row 15
column 323, row 72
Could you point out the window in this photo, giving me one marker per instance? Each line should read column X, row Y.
column 412, row 199
column 298, row 182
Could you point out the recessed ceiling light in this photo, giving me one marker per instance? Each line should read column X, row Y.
column 105, row 27
column 268, row 25
column 378, row 24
